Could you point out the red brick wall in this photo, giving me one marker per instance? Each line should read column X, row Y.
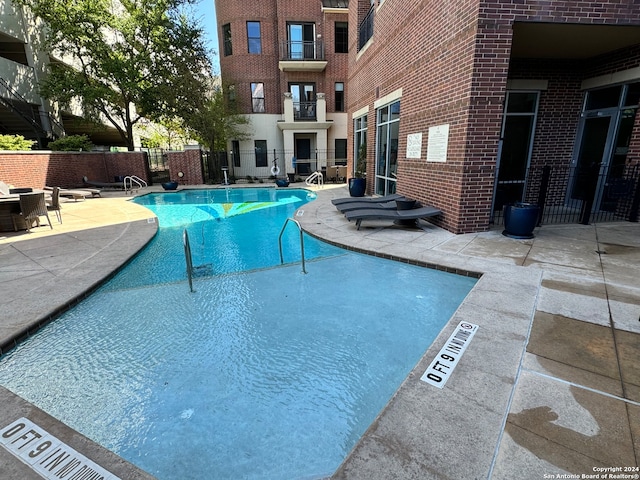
column 452, row 65
column 188, row 162
column 66, row 169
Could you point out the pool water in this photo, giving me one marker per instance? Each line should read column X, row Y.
column 263, row 372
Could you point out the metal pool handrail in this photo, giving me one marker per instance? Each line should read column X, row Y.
column 187, row 256
column 301, row 241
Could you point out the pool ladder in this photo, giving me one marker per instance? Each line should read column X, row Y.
column 187, row 256
column 301, row 241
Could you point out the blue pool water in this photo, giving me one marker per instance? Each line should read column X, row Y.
column 263, row 372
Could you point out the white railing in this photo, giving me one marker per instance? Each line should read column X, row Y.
column 133, row 182
column 315, row 178
column 301, row 242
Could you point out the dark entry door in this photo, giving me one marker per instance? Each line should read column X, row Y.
column 594, row 145
column 303, row 156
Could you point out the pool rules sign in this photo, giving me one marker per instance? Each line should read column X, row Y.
column 443, row 365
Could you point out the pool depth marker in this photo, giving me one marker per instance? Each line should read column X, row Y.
column 445, row 362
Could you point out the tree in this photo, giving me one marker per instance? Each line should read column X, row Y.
column 216, row 121
column 124, row 60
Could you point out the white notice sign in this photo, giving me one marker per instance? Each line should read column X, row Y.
column 437, row 143
column 414, row 145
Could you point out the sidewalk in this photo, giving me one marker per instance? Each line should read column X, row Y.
column 548, row 385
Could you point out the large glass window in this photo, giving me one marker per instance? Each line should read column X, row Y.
column 360, row 142
column 257, row 97
column 261, row 153
column 226, row 39
column 341, row 151
column 341, row 33
column 301, row 38
column 518, row 126
column 339, row 96
column 387, row 130
column 253, row 37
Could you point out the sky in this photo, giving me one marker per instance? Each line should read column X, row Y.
column 205, row 11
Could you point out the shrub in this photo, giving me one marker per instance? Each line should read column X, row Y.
column 15, row 142
column 72, row 143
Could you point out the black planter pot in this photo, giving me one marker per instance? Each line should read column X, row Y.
column 520, row 219
column 170, row 185
column 357, row 187
column 281, row 182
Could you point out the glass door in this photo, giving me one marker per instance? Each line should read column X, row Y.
column 387, row 130
column 596, row 132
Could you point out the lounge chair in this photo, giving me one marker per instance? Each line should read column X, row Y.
column 355, row 205
column 76, row 194
column 386, row 198
column 382, row 214
column 119, row 185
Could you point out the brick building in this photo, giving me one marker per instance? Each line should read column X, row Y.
column 462, row 103
column 284, row 63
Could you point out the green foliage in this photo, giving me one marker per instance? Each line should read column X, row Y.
column 215, row 121
column 72, row 143
column 15, row 142
column 361, row 161
column 124, row 60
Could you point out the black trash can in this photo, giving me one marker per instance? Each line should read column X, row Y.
column 520, row 219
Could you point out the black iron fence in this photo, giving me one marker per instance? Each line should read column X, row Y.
column 574, row 195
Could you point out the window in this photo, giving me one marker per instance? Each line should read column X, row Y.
column 235, row 152
column 341, row 33
column 359, row 140
column 261, row 153
column 226, row 39
column 341, row 151
column 301, row 37
column 257, row 97
column 304, row 100
column 339, row 96
column 253, row 37
column 387, row 129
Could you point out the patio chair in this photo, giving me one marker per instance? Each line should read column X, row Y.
column 54, row 203
column 32, row 207
column 386, row 198
column 396, row 215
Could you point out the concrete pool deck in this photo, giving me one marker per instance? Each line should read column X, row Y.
column 548, row 385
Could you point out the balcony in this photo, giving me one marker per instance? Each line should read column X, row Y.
column 305, row 115
column 302, row 56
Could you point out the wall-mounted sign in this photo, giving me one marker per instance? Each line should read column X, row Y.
column 414, row 145
column 437, row 143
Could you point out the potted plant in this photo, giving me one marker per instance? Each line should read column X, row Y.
column 520, row 219
column 358, row 184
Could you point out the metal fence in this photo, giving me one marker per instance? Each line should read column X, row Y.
column 577, row 195
column 258, row 165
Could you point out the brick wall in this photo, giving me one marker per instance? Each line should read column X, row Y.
column 188, row 162
column 66, row 169
column 453, row 64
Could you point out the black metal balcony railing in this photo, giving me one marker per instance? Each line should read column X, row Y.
column 304, row 110
column 365, row 29
column 302, row 50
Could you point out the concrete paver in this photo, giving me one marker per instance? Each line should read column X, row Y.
column 546, row 386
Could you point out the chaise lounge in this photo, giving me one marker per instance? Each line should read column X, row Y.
column 384, row 199
column 382, row 214
column 356, row 205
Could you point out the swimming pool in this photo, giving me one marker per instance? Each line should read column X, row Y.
column 263, row 372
